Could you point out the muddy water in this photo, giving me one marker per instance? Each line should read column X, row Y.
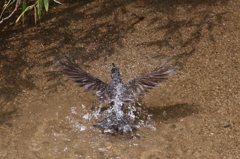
column 194, row 114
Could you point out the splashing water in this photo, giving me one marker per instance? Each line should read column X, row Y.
column 116, row 120
column 116, row 93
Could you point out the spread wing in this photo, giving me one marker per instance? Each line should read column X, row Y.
column 87, row 81
column 138, row 86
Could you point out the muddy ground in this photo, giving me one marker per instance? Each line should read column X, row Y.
column 195, row 114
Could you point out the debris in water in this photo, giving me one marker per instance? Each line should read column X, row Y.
column 139, row 19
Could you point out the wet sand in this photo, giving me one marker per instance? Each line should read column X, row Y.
column 194, row 114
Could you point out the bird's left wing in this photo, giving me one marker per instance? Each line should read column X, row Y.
column 87, row 81
column 138, row 86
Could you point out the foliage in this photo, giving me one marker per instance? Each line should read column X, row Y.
column 38, row 7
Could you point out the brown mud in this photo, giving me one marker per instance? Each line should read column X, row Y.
column 194, row 114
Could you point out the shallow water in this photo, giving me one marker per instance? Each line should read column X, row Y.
column 194, row 114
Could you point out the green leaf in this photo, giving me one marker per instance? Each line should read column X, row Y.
column 57, row 2
column 22, row 14
column 24, row 4
column 39, row 7
column 11, row 3
column 23, row 8
column 46, row 4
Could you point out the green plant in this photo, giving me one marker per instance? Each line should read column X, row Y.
column 38, row 6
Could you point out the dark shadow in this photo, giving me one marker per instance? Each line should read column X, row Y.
column 12, row 83
column 199, row 25
column 172, row 113
column 54, row 37
column 5, row 116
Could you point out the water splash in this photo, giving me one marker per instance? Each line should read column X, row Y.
column 116, row 93
column 113, row 118
column 116, row 119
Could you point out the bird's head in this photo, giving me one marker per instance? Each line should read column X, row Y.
column 115, row 73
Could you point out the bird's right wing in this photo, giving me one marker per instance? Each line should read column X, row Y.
column 138, row 86
column 86, row 80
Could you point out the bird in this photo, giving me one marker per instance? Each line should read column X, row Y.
column 116, row 93
column 116, row 90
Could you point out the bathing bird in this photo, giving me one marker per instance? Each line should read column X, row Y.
column 116, row 90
